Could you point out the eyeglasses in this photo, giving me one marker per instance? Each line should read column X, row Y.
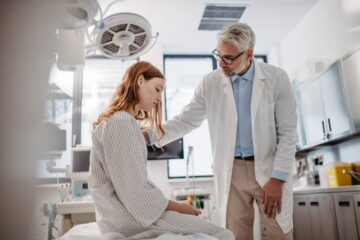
column 226, row 60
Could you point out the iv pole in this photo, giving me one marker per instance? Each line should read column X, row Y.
column 190, row 152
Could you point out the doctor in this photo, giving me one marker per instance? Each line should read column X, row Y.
column 251, row 113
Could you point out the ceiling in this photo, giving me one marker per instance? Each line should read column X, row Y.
column 177, row 21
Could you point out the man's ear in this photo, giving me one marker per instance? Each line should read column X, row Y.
column 250, row 53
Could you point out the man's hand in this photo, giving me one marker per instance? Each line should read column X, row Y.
column 272, row 192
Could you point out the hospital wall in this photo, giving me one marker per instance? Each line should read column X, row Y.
column 328, row 31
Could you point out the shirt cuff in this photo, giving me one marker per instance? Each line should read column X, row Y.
column 280, row 175
column 151, row 136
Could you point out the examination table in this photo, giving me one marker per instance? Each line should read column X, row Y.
column 90, row 231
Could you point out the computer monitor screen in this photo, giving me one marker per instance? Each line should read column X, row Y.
column 80, row 160
column 173, row 150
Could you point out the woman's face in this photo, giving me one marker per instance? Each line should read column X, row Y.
column 150, row 92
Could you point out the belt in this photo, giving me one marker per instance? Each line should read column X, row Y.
column 249, row 158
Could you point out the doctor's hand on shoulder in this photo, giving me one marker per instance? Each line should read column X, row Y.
column 272, row 193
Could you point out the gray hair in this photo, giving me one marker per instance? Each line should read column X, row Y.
column 240, row 34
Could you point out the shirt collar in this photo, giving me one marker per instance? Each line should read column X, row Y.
column 248, row 75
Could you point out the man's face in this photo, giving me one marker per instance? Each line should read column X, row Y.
column 240, row 60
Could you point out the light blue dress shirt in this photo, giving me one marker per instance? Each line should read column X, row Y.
column 242, row 89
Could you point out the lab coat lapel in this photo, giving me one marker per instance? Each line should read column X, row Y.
column 229, row 94
column 258, row 88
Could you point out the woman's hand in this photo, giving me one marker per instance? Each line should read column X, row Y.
column 182, row 208
column 188, row 209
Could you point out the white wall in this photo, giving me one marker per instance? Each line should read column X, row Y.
column 329, row 30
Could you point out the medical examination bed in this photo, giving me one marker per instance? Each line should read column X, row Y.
column 90, row 231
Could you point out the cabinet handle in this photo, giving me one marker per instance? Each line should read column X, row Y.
column 344, row 204
column 323, row 128
column 329, row 122
column 314, row 203
column 304, row 204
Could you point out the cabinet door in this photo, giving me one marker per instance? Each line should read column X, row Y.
column 302, row 224
column 345, row 216
column 336, row 110
column 356, row 198
column 313, row 112
column 351, row 74
column 322, row 217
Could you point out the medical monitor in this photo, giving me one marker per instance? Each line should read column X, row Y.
column 80, row 160
column 55, row 139
column 173, row 150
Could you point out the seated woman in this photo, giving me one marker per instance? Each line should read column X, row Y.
column 127, row 202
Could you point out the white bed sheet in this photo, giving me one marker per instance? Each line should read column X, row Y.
column 90, row 231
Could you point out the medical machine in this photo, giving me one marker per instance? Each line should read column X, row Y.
column 52, row 146
column 80, row 162
column 173, row 150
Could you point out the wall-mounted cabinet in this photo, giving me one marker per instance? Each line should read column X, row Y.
column 351, row 75
column 328, row 104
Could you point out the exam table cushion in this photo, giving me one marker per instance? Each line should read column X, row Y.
column 90, row 231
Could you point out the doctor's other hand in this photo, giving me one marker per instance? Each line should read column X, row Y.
column 272, row 192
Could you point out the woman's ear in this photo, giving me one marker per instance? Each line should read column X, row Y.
column 140, row 80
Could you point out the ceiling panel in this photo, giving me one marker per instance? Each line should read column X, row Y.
column 177, row 21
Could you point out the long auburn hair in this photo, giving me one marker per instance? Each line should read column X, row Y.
column 126, row 97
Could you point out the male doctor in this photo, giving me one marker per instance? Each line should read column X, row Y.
column 251, row 114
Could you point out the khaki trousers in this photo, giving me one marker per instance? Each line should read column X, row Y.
column 240, row 211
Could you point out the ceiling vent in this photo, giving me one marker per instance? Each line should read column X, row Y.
column 217, row 16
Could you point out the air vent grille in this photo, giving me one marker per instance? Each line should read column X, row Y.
column 217, row 16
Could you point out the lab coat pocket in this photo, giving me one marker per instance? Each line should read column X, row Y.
column 267, row 116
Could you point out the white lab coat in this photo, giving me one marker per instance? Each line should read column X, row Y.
column 273, row 111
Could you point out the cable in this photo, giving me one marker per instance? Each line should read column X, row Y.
column 100, row 11
column 110, row 4
column 187, row 165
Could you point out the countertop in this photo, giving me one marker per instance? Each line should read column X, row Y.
column 318, row 189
